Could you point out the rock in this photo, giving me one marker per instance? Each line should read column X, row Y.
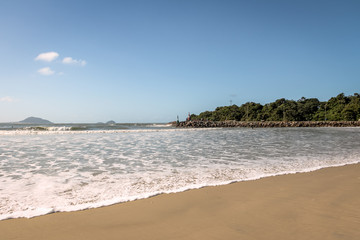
column 263, row 124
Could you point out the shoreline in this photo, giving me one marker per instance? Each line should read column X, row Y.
column 322, row 204
column 100, row 205
column 263, row 124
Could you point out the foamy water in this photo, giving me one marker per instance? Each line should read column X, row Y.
column 63, row 170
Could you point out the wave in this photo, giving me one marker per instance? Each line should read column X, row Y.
column 41, row 131
column 39, row 211
column 158, row 125
column 81, row 127
column 46, row 128
column 41, row 175
column 39, row 128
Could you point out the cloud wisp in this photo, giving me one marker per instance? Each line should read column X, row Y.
column 7, row 99
column 46, row 71
column 70, row 60
column 47, row 57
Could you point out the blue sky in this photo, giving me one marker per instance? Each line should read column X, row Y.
column 149, row 61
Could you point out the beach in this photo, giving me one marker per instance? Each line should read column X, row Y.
column 322, row 204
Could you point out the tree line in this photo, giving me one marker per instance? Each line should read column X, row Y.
column 339, row 108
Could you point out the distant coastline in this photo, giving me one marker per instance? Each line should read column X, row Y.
column 263, row 124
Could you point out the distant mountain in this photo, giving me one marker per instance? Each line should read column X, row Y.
column 35, row 120
column 111, row 122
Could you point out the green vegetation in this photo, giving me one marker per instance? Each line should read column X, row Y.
column 339, row 108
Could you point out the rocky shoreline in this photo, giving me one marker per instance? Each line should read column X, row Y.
column 264, row 124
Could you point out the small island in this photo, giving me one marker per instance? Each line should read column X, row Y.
column 35, row 120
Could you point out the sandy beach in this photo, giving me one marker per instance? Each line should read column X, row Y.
column 323, row 204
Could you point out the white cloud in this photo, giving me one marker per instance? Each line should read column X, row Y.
column 70, row 60
column 7, row 99
column 47, row 57
column 46, row 71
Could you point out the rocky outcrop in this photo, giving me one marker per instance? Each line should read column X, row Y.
column 264, row 124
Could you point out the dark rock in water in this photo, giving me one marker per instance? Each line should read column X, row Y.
column 35, row 120
column 111, row 122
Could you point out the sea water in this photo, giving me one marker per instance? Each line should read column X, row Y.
column 59, row 169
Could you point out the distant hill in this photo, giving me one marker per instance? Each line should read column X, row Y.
column 35, row 120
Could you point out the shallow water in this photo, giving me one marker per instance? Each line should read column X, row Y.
column 49, row 171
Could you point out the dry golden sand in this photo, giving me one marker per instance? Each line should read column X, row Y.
column 324, row 204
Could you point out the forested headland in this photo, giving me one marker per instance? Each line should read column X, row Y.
column 339, row 108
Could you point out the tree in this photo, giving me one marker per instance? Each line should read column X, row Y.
column 350, row 113
column 307, row 108
column 336, row 108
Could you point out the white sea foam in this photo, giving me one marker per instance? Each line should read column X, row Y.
column 68, row 130
column 45, row 173
column 159, row 125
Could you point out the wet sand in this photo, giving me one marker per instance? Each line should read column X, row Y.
column 324, row 204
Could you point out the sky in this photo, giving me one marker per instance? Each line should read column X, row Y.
column 151, row 61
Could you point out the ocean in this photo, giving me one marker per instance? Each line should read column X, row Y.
column 69, row 167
